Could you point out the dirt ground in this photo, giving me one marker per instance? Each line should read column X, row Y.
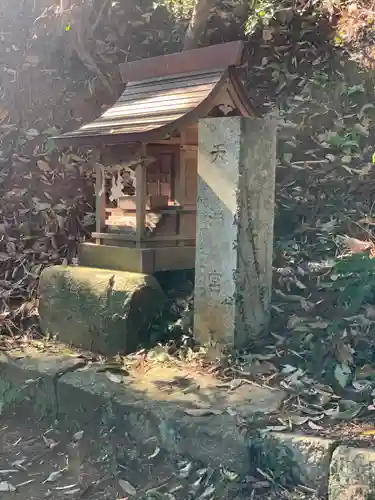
column 37, row 463
column 51, row 463
column 46, row 463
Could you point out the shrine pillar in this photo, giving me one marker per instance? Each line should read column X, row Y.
column 235, row 215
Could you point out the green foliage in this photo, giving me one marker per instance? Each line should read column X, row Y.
column 180, row 9
column 260, row 13
column 321, row 79
column 347, row 142
column 354, row 281
column 50, row 144
column 352, row 90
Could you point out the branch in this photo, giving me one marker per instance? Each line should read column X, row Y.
column 100, row 14
column 80, row 30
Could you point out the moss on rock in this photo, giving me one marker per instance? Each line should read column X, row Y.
column 97, row 309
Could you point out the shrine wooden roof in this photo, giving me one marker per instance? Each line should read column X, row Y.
column 165, row 94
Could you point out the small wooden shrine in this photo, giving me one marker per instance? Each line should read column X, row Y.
column 146, row 156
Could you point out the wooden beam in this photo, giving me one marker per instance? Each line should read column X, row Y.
column 214, row 57
column 166, row 237
column 163, row 211
column 181, row 186
column 180, row 194
column 99, row 194
column 114, row 236
column 140, row 198
column 126, row 237
column 167, row 142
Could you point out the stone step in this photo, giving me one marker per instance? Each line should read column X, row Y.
column 187, row 413
column 183, row 412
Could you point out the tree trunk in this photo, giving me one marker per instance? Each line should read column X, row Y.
column 198, row 23
column 238, row 17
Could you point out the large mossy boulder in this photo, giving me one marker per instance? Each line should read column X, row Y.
column 97, row 309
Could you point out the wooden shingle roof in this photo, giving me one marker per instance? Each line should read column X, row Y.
column 164, row 98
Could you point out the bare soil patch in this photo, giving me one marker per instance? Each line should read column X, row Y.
column 59, row 463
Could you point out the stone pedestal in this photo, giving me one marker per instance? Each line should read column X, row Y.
column 99, row 310
column 235, row 215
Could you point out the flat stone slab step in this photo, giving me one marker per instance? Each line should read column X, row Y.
column 185, row 412
column 190, row 414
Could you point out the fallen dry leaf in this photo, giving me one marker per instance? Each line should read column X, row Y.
column 54, row 476
column 186, row 470
column 50, row 443
column 313, row 426
column 5, row 486
column 155, row 453
column 114, row 377
column 210, row 490
column 67, row 487
column 127, row 487
column 78, row 435
column 354, row 245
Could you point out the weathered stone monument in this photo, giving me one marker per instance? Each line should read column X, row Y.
column 99, row 310
column 235, row 215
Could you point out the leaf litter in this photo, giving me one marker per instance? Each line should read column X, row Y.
column 323, row 366
column 323, row 312
column 112, row 468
